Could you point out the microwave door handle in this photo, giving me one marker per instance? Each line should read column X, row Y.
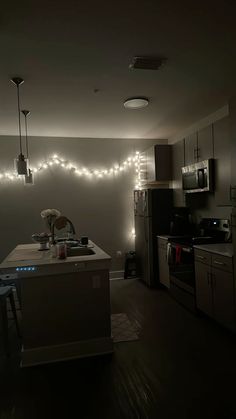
column 200, row 175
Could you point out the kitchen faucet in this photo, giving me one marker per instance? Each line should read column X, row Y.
column 61, row 222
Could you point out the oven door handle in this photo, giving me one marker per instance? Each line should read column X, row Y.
column 187, row 249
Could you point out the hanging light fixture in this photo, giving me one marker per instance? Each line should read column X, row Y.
column 29, row 177
column 21, row 163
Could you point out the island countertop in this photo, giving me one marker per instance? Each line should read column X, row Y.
column 28, row 255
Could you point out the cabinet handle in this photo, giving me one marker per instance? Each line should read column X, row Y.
column 218, row 263
column 213, row 280
column 232, row 191
column 233, row 220
column 200, row 257
column 208, row 278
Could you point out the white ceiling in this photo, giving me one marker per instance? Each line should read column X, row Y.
column 75, row 58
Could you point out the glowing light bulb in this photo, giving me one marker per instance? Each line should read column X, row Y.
column 50, row 163
column 45, row 166
column 55, row 156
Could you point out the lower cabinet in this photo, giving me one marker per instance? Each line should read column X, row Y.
column 164, row 276
column 215, row 287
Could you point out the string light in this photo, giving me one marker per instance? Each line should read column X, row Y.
column 135, row 161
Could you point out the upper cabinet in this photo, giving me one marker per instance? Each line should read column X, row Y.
column 199, row 146
column 190, row 149
column 222, row 161
column 157, row 163
column 205, row 147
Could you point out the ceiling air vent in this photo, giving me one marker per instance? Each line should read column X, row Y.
column 147, row 63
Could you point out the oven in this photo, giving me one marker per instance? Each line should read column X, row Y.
column 181, row 270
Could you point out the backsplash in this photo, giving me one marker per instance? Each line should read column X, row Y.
column 203, row 205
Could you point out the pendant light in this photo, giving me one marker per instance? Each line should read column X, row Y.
column 20, row 163
column 29, row 176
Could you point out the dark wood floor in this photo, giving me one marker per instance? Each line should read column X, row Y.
column 183, row 366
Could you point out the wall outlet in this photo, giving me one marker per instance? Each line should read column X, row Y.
column 118, row 253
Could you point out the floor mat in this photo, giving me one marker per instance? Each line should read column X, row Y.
column 122, row 328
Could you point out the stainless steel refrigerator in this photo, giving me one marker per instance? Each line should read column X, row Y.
column 152, row 214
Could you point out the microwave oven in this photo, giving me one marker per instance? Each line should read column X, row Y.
column 198, row 177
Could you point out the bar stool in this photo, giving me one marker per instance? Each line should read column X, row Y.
column 6, row 292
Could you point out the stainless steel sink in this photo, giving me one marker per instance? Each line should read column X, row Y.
column 80, row 251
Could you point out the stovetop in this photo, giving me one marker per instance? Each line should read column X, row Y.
column 193, row 240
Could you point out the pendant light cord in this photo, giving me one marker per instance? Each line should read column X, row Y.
column 26, row 138
column 18, row 101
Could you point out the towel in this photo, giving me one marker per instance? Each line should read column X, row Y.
column 178, row 250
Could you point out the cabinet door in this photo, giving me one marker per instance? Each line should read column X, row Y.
column 190, row 149
column 222, row 161
column 205, row 144
column 232, row 130
column 203, row 288
column 163, row 266
column 177, row 164
column 150, row 164
column 223, row 297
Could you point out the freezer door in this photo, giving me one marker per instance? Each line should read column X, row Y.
column 143, row 248
column 140, row 202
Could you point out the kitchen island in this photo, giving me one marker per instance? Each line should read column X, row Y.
column 65, row 303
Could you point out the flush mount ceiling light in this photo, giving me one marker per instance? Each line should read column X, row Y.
column 136, row 103
column 20, row 163
column 147, row 62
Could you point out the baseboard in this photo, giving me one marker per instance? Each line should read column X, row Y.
column 116, row 275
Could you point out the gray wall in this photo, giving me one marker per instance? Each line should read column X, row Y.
column 99, row 208
column 203, row 205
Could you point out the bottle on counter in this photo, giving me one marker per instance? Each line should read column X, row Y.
column 53, row 250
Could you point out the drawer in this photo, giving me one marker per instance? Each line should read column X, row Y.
column 222, row 262
column 202, row 256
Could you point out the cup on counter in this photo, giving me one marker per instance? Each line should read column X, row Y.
column 61, row 250
column 84, row 240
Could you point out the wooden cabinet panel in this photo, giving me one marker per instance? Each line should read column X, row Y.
column 203, row 288
column 177, row 164
column 222, row 262
column 215, row 287
column 202, row 256
column 199, row 146
column 232, row 132
column 157, row 163
column 190, row 149
column 205, row 144
column 223, row 297
column 222, row 161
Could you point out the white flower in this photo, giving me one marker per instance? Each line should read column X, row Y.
column 50, row 212
column 49, row 216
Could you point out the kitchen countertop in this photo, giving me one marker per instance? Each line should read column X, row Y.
column 29, row 255
column 224, row 249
